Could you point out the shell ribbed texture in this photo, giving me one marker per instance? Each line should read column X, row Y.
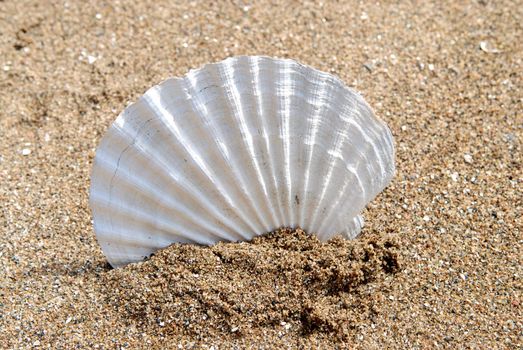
column 233, row 150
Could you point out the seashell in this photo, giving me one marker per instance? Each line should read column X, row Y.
column 233, row 150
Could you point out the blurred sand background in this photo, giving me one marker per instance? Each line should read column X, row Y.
column 446, row 76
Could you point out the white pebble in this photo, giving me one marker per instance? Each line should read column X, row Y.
column 454, row 176
column 468, row 158
column 393, row 59
column 91, row 59
column 26, row 152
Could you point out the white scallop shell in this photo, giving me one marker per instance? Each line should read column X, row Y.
column 233, row 150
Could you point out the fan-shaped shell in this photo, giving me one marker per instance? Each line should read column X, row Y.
column 233, row 150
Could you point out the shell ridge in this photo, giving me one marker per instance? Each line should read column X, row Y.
column 262, row 131
column 300, row 109
column 368, row 195
column 285, row 135
column 233, row 96
column 341, row 197
column 167, row 229
column 376, row 135
column 123, row 181
column 254, row 70
column 153, row 194
column 191, row 83
column 368, row 144
column 265, row 104
column 361, row 159
column 120, row 156
column 171, row 125
column 371, row 136
column 310, row 139
column 340, row 138
column 202, row 163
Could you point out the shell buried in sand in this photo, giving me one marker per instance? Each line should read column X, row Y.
column 233, row 150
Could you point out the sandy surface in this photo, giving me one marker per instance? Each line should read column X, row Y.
column 447, row 79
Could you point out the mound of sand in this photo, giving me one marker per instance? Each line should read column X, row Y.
column 286, row 284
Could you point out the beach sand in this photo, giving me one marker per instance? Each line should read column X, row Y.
column 438, row 264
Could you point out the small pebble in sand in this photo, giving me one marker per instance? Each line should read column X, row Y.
column 486, row 47
column 91, row 59
column 393, row 59
column 468, row 158
column 26, row 151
